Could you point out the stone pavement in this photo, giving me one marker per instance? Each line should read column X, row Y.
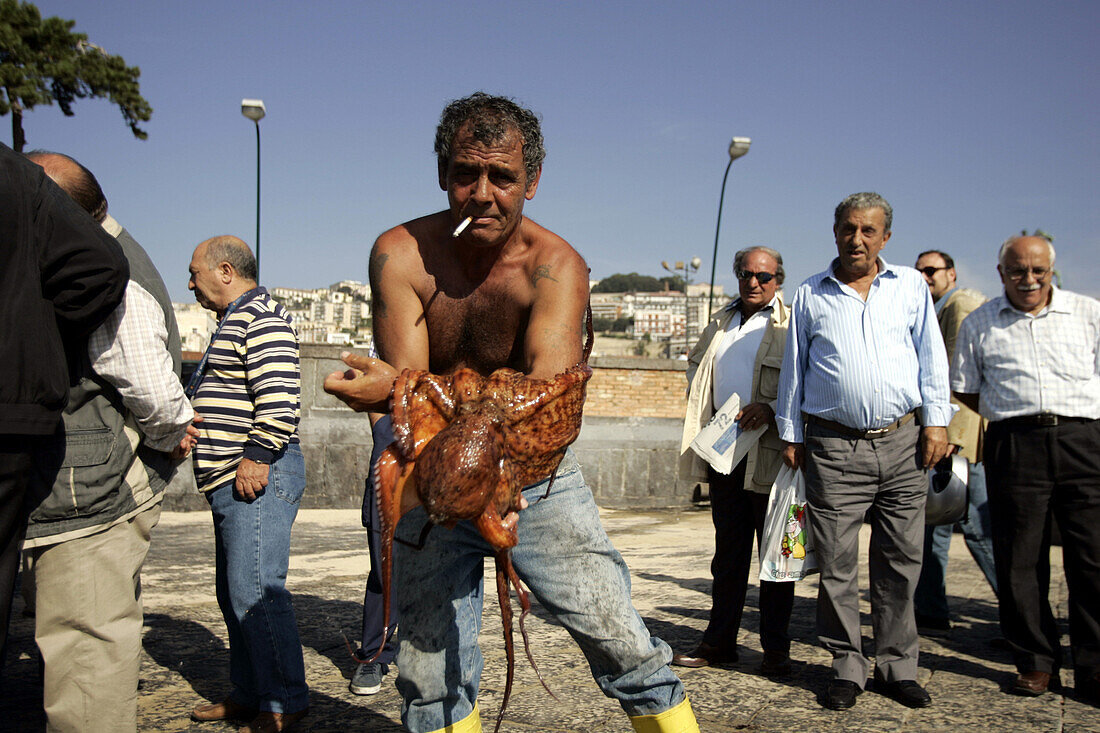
column 185, row 657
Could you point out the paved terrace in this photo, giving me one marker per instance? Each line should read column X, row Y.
column 185, row 657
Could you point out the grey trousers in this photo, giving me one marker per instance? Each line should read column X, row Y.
column 847, row 479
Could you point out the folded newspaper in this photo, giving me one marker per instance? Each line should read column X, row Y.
column 721, row 442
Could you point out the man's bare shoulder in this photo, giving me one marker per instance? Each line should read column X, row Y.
column 411, row 236
column 550, row 254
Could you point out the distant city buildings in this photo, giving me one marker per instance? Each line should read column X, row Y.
column 338, row 314
column 341, row 314
column 196, row 324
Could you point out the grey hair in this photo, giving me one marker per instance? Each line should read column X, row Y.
column 861, row 201
column 490, row 118
column 1012, row 240
column 233, row 250
column 741, row 254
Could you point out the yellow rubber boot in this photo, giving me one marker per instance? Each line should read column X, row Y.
column 679, row 719
column 472, row 724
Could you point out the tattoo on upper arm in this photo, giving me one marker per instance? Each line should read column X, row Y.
column 377, row 262
column 542, row 271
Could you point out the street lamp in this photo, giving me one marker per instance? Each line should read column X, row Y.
column 738, row 147
column 254, row 110
column 676, row 269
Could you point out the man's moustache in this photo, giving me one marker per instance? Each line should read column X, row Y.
column 1028, row 288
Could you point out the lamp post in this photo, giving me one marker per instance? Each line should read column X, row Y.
column 676, row 269
column 254, row 110
column 738, row 147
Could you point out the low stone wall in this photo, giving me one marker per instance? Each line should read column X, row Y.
column 627, row 446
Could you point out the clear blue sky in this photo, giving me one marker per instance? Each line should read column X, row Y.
column 975, row 119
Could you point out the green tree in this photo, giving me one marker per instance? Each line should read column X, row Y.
column 635, row 283
column 43, row 61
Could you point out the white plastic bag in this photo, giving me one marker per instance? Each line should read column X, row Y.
column 787, row 552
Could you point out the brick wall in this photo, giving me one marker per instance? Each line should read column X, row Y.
column 625, row 387
column 628, row 444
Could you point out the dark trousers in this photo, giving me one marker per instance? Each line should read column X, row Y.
column 738, row 515
column 21, row 456
column 374, row 633
column 1036, row 473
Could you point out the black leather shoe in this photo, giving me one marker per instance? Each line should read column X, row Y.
column 775, row 664
column 705, row 655
column 841, row 694
column 933, row 626
column 907, row 692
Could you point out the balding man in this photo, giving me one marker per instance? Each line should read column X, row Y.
column 89, row 530
column 1029, row 361
column 248, row 462
column 61, row 275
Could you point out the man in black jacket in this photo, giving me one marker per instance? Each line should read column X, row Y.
column 60, row 276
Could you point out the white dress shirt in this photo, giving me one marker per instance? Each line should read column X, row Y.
column 1022, row 364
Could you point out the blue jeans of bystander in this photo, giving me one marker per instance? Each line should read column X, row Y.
column 569, row 564
column 930, row 599
column 252, row 552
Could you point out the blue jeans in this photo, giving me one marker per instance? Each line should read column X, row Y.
column 567, row 562
column 930, row 599
column 252, row 552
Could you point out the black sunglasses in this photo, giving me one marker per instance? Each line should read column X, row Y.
column 761, row 277
column 931, row 271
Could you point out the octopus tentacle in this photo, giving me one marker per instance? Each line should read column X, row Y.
column 504, row 560
column 391, row 472
column 525, row 608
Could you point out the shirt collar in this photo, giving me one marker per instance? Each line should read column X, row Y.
column 884, row 269
column 944, row 298
column 736, row 302
column 111, row 226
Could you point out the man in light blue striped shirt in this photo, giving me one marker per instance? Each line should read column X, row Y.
column 863, row 409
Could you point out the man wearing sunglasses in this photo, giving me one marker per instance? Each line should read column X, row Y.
column 964, row 434
column 741, row 352
column 1029, row 362
column 864, row 407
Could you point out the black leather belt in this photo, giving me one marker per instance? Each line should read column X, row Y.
column 1042, row 420
column 854, row 433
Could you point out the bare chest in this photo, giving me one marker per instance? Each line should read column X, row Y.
column 484, row 330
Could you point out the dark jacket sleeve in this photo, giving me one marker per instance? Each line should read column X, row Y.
column 84, row 272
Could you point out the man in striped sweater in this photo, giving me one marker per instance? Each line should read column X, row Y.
column 248, row 462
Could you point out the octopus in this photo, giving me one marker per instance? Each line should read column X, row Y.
column 468, row 445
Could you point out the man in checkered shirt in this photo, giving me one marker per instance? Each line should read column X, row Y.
column 1029, row 361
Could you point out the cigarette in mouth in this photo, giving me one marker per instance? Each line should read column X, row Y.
column 462, row 226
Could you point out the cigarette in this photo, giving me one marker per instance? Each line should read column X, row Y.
column 462, row 226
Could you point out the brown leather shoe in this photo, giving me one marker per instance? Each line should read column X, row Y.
column 705, row 655
column 227, row 709
column 1031, row 684
column 268, row 722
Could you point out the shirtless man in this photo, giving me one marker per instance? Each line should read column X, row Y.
column 505, row 292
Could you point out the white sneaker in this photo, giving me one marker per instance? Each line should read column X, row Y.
column 367, row 679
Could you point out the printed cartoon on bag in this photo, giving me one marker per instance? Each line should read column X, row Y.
column 794, row 540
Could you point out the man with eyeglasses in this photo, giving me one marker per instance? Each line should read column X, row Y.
column 964, row 435
column 741, row 352
column 863, row 408
column 1029, row 362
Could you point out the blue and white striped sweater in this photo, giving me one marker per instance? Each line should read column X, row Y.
column 250, row 394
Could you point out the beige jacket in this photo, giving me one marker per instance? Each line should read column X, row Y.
column 764, row 459
column 967, row 428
